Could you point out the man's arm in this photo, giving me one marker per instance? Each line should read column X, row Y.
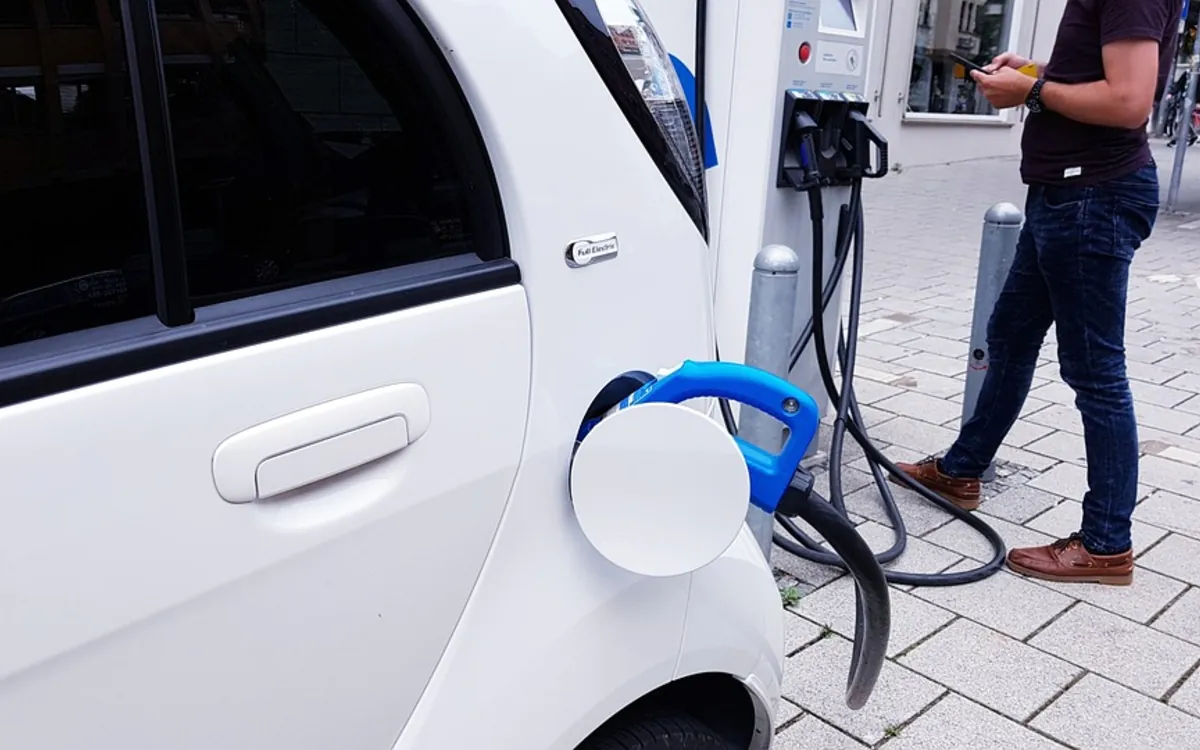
column 1124, row 99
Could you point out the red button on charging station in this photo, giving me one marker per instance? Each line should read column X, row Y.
column 805, row 52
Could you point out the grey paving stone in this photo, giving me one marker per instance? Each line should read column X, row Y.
column 885, row 352
column 1157, row 374
column 1172, row 512
column 1170, row 420
column 956, row 723
column 852, row 480
column 1148, row 595
column 919, row 556
column 815, row 679
column 1003, row 602
column 868, row 391
column 963, row 539
column 897, row 335
column 798, row 632
column 1023, row 433
column 915, row 435
column 1096, row 714
column 788, row 711
column 935, row 363
column 1064, row 519
column 805, row 571
column 1182, row 619
column 1191, row 406
column 811, row 733
column 1151, row 394
column 1187, row 698
column 1170, row 475
column 912, row 618
column 938, row 386
column 1176, row 556
column 1065, row 480
column 920, row 516
column 1182, row 380
column 1065, row 446
column 915, row 405
column 944, row 346
column 1019, row 504
column 1055, row 392
column 1034, row 461
column 1033, row 406
column 1059, row 417
column 1121, row 650
column 993, row 669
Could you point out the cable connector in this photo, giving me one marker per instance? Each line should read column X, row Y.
column 797, row 495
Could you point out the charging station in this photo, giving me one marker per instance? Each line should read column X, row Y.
column 766, row 70
column 790, row 126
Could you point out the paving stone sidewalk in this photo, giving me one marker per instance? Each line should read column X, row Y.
column 1009, row 663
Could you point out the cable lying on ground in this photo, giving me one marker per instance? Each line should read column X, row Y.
column 848, row 417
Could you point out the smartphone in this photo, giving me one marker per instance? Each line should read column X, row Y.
column 968, row 64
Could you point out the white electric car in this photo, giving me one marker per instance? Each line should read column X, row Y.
column 303, row 304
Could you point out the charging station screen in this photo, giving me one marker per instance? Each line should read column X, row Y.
column 838, row 14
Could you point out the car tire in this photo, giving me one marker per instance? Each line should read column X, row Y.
column 667, row 730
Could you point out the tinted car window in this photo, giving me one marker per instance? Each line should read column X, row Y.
column 297, row 162
column 76, row 252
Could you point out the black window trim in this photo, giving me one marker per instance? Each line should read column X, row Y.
column 90, row 356
column 597, row 44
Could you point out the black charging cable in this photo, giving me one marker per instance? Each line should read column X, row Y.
column 848, row 417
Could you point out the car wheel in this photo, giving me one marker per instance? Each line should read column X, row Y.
column 667, row 730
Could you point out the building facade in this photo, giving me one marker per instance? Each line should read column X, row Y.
column 924, row 102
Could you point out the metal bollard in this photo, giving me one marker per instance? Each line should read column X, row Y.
column 768, row 346
column 1001, row 229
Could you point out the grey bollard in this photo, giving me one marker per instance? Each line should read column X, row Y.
column 1001, row 229
column 768, row 346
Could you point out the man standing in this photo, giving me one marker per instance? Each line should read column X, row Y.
column 1092, row 200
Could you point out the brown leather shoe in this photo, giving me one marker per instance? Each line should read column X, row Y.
column 962, row 492
column 1069, row 561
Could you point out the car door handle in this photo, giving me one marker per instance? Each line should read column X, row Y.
column 319, row 442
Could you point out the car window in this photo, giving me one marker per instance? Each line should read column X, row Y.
column 294, row 164
column 303, row 152
column 75, row 249
column 274, row 147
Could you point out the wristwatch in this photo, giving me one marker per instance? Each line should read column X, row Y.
column 1033, row 102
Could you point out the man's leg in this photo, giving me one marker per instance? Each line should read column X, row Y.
column 1016, row 329
column 1086, row 259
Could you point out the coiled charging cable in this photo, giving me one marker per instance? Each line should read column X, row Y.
column 848, row 416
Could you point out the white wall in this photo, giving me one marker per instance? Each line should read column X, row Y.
column 921, row 139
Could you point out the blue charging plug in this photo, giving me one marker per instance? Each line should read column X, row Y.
column 771, row 474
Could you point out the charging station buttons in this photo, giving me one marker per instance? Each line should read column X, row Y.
column 805, row 52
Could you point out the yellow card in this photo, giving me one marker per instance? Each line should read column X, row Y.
column 1029, row 70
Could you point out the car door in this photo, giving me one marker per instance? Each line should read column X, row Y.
column 264, row 373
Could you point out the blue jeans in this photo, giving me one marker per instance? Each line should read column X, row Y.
column 1072, row 269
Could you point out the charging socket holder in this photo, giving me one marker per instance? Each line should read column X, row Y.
column 827, row 140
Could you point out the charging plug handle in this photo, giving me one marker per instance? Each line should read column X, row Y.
column 869, row 135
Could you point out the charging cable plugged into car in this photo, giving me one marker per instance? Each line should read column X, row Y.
column 660, row 489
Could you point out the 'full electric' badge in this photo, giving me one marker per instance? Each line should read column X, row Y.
column 592, row 250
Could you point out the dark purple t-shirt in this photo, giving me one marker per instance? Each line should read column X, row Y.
column 1057, row 150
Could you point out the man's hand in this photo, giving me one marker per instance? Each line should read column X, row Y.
column 1006, row 60
column 1005, row 88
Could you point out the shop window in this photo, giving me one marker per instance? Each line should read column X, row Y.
column 975, row 29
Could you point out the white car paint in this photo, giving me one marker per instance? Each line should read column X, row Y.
column 441, row 598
